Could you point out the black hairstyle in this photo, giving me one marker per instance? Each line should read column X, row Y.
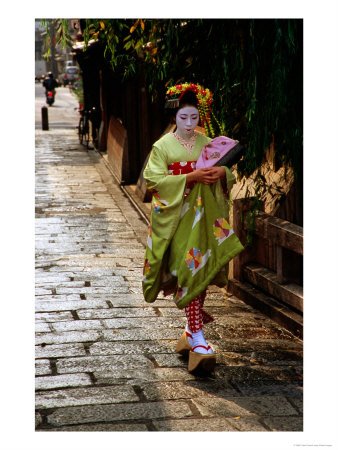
column 188, row 99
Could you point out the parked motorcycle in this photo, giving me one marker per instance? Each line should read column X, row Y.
column 50, row 98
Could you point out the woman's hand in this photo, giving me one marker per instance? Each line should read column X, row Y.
column 206, row 176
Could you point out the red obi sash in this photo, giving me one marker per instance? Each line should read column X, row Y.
column 182, row 168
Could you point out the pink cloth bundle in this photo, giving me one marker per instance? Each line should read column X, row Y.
column 221, row 151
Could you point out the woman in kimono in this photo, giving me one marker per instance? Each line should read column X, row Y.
column 189, row 241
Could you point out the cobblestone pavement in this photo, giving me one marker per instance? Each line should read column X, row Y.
column 105, row 359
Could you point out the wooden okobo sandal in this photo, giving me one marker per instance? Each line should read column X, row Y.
column 204, row 361
column 183, row 347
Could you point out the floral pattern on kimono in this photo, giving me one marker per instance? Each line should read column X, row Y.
column 190, row 240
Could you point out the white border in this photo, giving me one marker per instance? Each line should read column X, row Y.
column 17, row 188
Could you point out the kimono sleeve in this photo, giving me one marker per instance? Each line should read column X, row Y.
column 167, row 192
column 231, row 180
column 222, row 201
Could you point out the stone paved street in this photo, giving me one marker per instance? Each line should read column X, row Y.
column 105, row 359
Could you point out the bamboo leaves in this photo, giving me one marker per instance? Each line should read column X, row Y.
column 138, row 22
column 254, row 66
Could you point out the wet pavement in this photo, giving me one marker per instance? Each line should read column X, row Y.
column 105, row 359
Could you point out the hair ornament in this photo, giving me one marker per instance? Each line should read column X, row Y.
column 204, row 100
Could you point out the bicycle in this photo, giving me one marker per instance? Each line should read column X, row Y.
column 88, row 128
column 83, row 127
column 95, row 120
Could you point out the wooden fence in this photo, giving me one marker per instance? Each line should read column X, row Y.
column 268, row 274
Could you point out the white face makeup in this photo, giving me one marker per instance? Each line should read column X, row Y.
column 186, row 121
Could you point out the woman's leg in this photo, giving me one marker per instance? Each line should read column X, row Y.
column 196, row 315
column 193, row 311
column 207, row 318
column 196, row 318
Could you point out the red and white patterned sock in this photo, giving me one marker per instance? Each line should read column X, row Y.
column 193, row 311
column 196, row 316
column 207, row 318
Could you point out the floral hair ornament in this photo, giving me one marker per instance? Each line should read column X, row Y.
column 204, row 100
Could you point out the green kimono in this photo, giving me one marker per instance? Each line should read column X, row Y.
column 190, row 241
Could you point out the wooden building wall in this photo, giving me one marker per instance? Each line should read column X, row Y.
column 125, row 104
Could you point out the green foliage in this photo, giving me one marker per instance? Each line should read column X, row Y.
column 78, row 92
column 61, row 37
column 253, row 66
column 249, row 215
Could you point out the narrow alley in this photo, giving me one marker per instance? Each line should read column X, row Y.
column 105, row 359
